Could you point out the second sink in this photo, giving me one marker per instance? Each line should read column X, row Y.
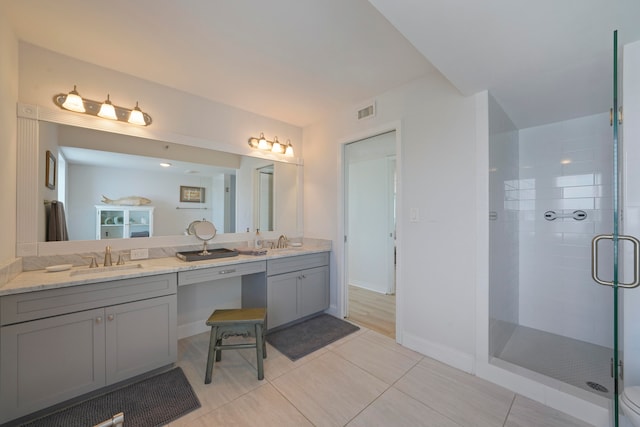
column 105, row 269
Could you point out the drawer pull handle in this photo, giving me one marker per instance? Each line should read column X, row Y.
column 98, row 320
column 233, row 270
column 110, row 317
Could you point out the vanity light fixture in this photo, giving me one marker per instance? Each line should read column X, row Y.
column 107, row 110
column 72, row 101
column 275, row 146
column 289, row 150
column 262, row 142
column 136, row 117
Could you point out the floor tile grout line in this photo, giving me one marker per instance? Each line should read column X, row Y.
column 509, row 411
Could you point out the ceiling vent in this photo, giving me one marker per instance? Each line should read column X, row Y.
column 367, row 112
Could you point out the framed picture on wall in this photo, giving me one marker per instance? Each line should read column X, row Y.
column 191, row 194
column 50, row 173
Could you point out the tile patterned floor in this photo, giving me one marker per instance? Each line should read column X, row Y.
column 365, row 379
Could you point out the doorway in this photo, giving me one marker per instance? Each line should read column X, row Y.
column 370, row 223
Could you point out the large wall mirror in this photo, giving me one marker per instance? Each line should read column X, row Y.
column 99, row 172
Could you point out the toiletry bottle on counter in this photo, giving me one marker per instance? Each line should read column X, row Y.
column 258, row 241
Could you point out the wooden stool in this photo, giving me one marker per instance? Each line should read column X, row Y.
column 236, row 322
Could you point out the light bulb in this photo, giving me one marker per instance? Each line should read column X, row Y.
column 74, row 101
column 276, row 147
column 107, row 110
column 289, row 151
column 262, row 143
column 136, row 117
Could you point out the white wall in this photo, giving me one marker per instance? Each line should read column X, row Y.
column 437, row 175
column 368, row 224
column 8, row 147
column 557, row 293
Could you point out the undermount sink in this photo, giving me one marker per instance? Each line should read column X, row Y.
column 287, row 248
column 105, row 269
column 210, row 254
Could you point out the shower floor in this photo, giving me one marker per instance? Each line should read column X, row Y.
column 565, row 359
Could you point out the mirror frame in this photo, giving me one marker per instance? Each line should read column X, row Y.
column 28, row 166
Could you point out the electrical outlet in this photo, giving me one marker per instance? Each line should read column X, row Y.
column 139, row 254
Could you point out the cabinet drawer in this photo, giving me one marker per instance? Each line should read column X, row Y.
column 295, row 263
column 39, row 304
column 213, row 273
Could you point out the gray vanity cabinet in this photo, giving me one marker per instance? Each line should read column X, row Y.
column 61, row 343
column 297, row 287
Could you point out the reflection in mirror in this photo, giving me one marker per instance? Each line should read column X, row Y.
column 102, row 170
column 264, row 205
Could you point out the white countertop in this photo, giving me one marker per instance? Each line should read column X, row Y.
column 38, row 280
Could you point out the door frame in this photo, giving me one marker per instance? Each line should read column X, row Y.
column 342, row 272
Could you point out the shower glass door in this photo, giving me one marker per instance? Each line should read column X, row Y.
column 614, row 243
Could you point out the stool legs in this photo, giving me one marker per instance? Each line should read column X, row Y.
column 213, row 341
column 218, row 351
column 260, row 351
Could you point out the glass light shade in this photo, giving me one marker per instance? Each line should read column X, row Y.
column 136, row 117
column 276, row 147
column 289, row 151
column 107, row 110
column 74, row 102
column 263, row 144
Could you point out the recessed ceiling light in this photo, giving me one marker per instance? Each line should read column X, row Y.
column 165, row 164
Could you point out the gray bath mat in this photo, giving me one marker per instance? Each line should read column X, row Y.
column 153, row 401
column 306, row 337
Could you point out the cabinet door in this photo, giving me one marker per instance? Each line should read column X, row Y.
column 139, row 222
column 282, row 299
column 313, row 291
column 46, row 361
column 140, row 336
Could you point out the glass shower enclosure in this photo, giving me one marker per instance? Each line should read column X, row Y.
column 554, row 233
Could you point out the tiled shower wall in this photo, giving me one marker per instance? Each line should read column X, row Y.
column 564, row 167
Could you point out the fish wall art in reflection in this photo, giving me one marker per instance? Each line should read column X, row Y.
column 126, row 201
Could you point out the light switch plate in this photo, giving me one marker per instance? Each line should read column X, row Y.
column 414, row 215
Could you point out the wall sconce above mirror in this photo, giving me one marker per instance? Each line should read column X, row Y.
column 275, row 146
column 72, row 101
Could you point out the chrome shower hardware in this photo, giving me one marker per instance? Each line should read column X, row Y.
column 577, row 215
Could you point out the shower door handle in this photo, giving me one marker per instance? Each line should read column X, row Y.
column 636, row 260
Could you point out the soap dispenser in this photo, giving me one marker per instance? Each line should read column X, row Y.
column 258, row 241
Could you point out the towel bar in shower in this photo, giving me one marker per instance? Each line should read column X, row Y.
column 577, row 215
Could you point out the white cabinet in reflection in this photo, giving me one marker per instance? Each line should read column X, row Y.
column 123, row 222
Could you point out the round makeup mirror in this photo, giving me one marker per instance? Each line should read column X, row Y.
column 203, row 230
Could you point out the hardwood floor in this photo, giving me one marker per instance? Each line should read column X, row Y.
column 373, row 310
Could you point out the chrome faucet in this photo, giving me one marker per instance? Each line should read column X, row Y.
column 282, row 241
column 107, row 257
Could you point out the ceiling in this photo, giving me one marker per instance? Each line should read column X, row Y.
column 108, row 159
column 298, row 60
